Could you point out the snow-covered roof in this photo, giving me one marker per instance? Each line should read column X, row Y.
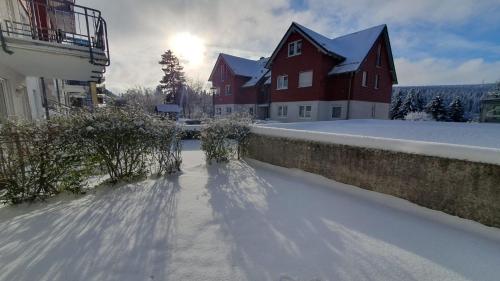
column 350, row 49
column 244, row 67
column 168, row 108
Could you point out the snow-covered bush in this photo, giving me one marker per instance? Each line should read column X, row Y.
column 39, row 160
column 221, row 138
column 418, row 116
column 127, row 140
column 166, row 146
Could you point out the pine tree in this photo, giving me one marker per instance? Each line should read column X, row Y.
column 436, row 109
column 410, row 104
column 396, row 104
column 456, row 113
column 420, row 101
column 173, row 78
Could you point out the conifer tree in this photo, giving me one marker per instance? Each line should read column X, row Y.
column 456, row 112
column 410, row 104
column 397, row 102
column 436, row 109
column 173, row 78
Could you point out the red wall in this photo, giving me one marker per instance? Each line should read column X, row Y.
column 310, row 59
column 369, row 93
column 239, row 95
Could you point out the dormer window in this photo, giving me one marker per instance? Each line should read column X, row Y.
column 295, row 48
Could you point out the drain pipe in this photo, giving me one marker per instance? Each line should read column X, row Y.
column 349, row 96
column 44, row 98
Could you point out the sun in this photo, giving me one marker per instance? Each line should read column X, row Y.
column 189, row 48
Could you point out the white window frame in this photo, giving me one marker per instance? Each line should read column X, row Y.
column 312, row 76
column 305, row 111
column 340, row 112
column 251, row 111
column 227, row 90
column 218, row 111
column 364, row 79
column 283, row 111
column 295, row 47
column 282, row 86
column 377, row 82
column 229, row 110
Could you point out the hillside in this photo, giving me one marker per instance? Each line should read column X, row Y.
column 470, row 95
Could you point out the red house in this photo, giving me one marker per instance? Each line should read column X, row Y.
column 237, row 85
column 313, row 77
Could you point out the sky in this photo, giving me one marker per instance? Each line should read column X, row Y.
column 433, row 42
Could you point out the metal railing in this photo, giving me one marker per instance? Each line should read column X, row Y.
column 63, row 22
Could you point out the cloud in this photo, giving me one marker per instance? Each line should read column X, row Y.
column 139, row 31
column 434, row 71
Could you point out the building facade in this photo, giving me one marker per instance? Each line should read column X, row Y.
column 311, row 77
column 44, row 45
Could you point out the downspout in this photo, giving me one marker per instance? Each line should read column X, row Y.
column 349, row 96
column 44, row 98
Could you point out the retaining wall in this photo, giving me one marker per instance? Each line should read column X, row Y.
column 464, row 188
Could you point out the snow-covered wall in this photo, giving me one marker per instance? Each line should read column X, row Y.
column 464, row 188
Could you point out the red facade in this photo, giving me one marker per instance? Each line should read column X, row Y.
column 330, row 87
column 316, row 57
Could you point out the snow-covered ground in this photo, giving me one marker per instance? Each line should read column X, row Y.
column 240, row 221
column 473, row 134
column 466, row 141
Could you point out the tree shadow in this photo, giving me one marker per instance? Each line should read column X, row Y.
column 284, row 224
column 118, row 235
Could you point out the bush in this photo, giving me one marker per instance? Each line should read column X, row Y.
column 418, row 116
column 222, row 138
column 126, row 141
column 39, row 160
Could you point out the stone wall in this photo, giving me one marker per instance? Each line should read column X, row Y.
column 466, row 189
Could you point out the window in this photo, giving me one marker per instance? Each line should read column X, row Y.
column 218, row 111
column 250, row 110
column 363, row 82
column 229, row 110
column 377, row 81
column 305, row 111
column 379, row 55
column 282, row 111
column 336, row 112
column 282, row 82
column 305, row 79
column 228, row 90
column 295, row 48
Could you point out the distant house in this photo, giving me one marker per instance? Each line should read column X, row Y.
column 311, row 77
column 237, row 85
column 490, row 107
column 170, row 110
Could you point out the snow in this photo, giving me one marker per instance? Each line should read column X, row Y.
column 467, row 141
column 255, row 69
column 241, row 221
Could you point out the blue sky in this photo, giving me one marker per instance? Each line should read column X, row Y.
column 434, row 42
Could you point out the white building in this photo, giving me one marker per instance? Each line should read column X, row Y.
column 43, row 44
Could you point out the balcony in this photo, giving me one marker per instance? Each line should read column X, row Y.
column 54, row 39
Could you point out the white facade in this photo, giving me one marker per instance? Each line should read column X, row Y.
column 24, row 60
column 304, row 111
column 228, row 109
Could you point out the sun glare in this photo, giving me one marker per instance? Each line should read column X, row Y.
column 189, row 48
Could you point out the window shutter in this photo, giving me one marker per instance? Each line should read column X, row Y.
column 305, row 79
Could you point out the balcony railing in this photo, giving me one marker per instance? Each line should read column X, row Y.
column 60, row 21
